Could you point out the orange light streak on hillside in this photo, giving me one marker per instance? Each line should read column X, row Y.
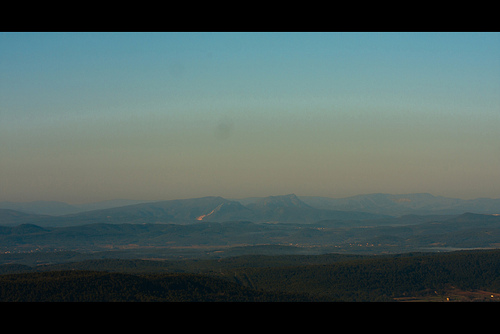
column 208, row 214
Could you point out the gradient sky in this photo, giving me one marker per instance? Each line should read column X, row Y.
column 154, row 116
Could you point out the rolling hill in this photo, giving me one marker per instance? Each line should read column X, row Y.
column 12, row 217
column 463, row 231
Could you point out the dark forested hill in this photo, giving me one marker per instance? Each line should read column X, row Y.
column 93, row 286
column 332, row 277
column 384, row 278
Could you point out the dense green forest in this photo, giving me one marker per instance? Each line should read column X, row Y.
column 96, row 286
column 383, row 279
column 257, row 278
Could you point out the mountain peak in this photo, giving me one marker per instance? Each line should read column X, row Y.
column 290, row 200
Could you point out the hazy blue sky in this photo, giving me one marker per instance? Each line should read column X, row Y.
column 94, row 116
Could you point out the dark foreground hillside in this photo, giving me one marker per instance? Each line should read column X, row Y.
column 386, row 278
column 454, row 276
column 92, row 286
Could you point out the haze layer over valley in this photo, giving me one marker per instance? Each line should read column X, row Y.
column 288, row 224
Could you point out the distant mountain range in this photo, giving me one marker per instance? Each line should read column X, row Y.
column 278, row 209
column 366, row 223
column 287, row 209
column 386, row 204
column 397, row 205
column 55, row 208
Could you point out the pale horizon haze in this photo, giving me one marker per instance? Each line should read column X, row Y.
column 86, row 117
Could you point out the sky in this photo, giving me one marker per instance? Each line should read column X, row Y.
column 86, row 117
